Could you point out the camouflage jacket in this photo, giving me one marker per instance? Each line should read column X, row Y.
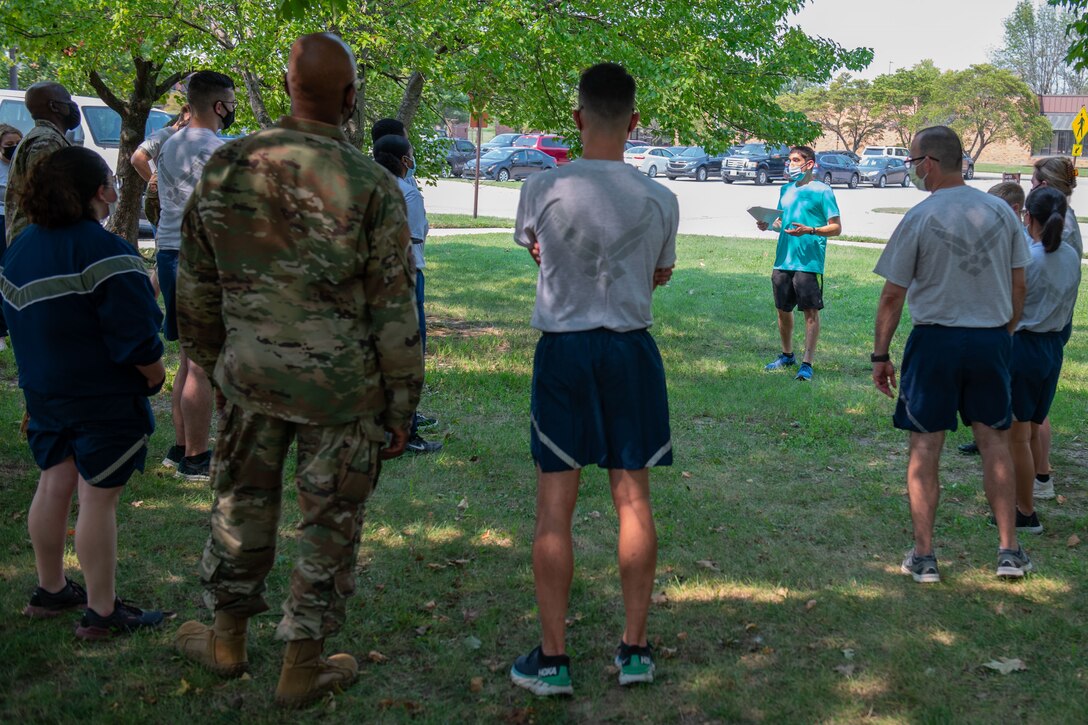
column 294, row 281
column 40, row 141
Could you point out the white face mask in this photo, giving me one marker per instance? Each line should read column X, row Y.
column 795, row 173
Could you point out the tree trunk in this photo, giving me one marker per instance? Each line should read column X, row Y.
column 256, row 99
column 356, row 129
column 13, row 71
column 148, row 86
column 409, row 102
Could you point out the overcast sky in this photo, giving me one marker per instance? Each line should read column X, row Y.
column 952, row 33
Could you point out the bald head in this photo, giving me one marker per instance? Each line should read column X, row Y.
column 49, row 102
column 321, row 78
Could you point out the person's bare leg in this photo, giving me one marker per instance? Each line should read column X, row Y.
column 176, row 395
column 47, row 522
column 1040, row 448
column 96, row 544
column 999, row 479
column 1023, row 465
column 923, row 487
column 553, row 555
column 785, row 330
column 812, row 334
column 637, row 549
column 196, row 409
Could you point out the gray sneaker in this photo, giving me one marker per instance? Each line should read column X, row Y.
column 1041, row 489
column 1013, row 564
column 922, row 568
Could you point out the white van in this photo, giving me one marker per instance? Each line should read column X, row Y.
column 897, row 151
column 100, row 129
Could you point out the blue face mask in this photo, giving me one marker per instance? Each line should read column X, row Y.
column 795, row 174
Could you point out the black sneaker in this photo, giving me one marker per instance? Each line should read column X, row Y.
column 416, row 444
column 969, row 449
column 46, row 605
column 125, row 619
column 173, row 456
column 195, row 468
column 1025, row 524
column 636, row 663
column 542, row 674
column 423, row 421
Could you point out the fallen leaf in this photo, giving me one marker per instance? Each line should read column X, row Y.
column 659, row 598
column 459, row 562
column 463, row 504
column 183, row 687
column 681, row 636
column 245, row 676
column 810, row 604
column 782, row 592
column 708, row 564
column 429, row 606
column 435, row 566
column 685, row 474
column 423, row 630
column 376, row 657
column 845, row 670
column 667, row 652
column 1005, row 666
column 1061, row 499
column 476, row 684
column 751, row 627
column 1072, row 541
column 472, row 642
column 71, row 532
column 848, row 653
column 137, row 504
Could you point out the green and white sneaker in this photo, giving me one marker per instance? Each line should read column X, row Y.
column 636, row 663
column 542, row 674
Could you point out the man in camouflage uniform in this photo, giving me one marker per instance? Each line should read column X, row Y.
column 54, row 112
column 295, row 287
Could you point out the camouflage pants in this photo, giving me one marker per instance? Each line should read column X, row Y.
column 337, row 469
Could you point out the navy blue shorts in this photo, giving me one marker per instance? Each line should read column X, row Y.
column 107, row 435
column 167, row 263
column 955, row 369
column 1036, row 366
column 599, row 397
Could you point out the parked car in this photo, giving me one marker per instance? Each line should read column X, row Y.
column 880, row 171
column 834, row 168
column 511, row 163
column 886, row 151
column 502, row 141
column 650, row 160
column 756, row 162
column 848, row 154
column 457, row 152
column 548, row 143
column 968, row 167
column 695, row 163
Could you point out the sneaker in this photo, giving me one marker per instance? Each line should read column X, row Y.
column 46, row 605
column 1013, row 564
column 636, row 663
column 804, row 373
column 416, row 444
column 969, row 449
column 922, row 568
column 1025, row 523
column 173, row 456
column 423, row 421
column 125, row 619
column 541, row 674
column 1043, row 489
column 195, row 468
column 782, row 361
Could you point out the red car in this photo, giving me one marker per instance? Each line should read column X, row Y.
column 549, row 143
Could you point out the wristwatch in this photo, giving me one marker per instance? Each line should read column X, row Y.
column 873, row 357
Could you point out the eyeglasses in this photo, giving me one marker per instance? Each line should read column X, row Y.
column 910, row 162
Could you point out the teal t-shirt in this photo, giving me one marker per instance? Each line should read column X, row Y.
column 811, row 205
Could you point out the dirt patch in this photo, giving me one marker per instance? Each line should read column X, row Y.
column 447, row 327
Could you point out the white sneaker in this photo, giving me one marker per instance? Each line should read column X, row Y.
column 3, row 344
column 1043, row 490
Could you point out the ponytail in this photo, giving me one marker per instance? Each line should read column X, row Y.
column 1048, row 207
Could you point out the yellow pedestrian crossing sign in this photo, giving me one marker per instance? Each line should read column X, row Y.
column 1080, row 125
column 1077, row 149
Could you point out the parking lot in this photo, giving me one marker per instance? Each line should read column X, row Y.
column 718, row 209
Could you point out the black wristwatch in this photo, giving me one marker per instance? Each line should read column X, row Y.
column 873, row 357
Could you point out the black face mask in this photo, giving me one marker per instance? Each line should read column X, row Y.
column 228, row 119
column 72, row 117
column 9, row 152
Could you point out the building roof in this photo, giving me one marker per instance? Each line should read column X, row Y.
column 1062, row 104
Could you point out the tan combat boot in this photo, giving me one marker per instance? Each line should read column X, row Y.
column 306, row 675
column 221, row 648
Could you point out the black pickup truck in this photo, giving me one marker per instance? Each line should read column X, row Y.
column 756, row 162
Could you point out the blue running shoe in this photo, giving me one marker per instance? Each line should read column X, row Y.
column 782, row 361
column 542, row 674
column 804, row 373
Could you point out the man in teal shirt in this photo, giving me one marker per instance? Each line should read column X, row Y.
column 809, row 216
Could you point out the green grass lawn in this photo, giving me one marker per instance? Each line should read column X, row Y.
column 489, row 182
column 467, row 221
column 1025, row 171
column 781, row 525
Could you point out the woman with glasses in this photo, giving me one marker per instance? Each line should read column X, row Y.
column 84, row 326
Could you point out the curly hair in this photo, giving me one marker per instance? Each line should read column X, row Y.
column 61, row 186
column 1058, row 172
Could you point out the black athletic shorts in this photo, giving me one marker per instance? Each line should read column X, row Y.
column 803, row 290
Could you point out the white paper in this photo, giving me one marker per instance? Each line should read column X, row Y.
column 763, row 214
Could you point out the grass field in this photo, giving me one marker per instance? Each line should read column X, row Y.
column 781, row 524
column 467, row 221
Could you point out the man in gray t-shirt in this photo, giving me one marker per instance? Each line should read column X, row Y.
column 604, row 237
column 958, row 258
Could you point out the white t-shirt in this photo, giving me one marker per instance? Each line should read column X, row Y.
column 180, row 166
column 955, row 253
column 603, row 228
column 1053, row 280
column 152, row 145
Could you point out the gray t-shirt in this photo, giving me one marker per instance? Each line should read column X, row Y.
column 180, row 165
column 1053, row 280
column 955, row 252
column 1071, row 232
column 152, row 145
column 603, row 229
